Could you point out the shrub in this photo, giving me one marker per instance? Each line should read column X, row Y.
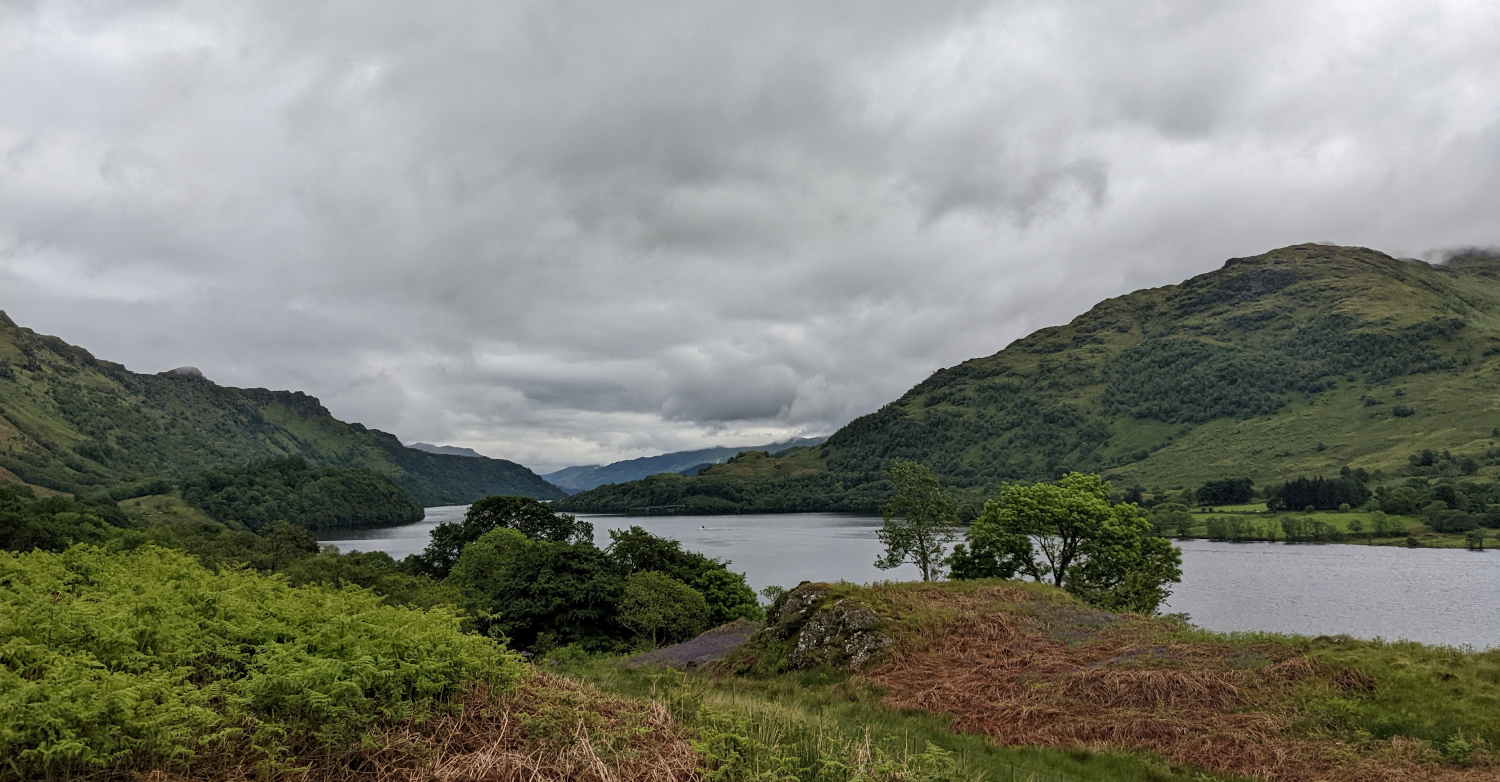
column 729, row 597
column 662, row 609
column 540, row 593
column 147, row 659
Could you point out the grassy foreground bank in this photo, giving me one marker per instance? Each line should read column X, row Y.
column 986, row 677
column 142, row 663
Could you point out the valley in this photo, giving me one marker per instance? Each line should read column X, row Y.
column 212, row 559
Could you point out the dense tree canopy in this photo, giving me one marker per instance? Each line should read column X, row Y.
column 53, row 523
column 533, row 519
column 728, row 596
column 1319, row 493
column 662, row 609
column 538, row 593
column 544, row 593
column 1069, row 534
column 1227, row 491
column 290, row 489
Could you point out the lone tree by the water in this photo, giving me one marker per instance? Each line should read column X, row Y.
column 1070, row 535
column 919, row 520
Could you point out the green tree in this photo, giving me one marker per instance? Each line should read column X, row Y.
column 662, row 609
column 540, row 593
column 1171, row 518
column 1402, row 501
column 52, row 523
column 1069, row 534
column 919, row 520
column 289, row 543
column 729, row 597
column 531, row 518
column 1474, row 539
column 1229, row 491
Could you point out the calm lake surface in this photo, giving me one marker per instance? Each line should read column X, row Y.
column 1436, row 596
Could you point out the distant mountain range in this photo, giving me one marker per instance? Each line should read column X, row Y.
column 576, row 479
column 73, row 423
column 1300, row 361
column 447, row 450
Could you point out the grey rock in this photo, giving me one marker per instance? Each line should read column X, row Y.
column 793, row 607
column 841, row 635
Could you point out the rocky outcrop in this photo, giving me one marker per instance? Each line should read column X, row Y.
column 785, row 617
column 841, row 634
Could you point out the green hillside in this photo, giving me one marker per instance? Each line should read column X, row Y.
column 1296, row 362
column 73, row 423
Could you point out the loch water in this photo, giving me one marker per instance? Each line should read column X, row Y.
column 1435, row 596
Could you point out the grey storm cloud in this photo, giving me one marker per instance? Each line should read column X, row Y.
column 566, row 233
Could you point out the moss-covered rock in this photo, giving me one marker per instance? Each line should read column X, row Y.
column 785, row 616
column 841, row 635
column 811, row 626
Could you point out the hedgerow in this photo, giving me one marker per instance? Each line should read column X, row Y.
column 145, row 659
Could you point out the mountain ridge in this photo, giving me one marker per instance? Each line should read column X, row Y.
column 1300, row 360
column 73, row 423
column 584, row 477
column 447, row 450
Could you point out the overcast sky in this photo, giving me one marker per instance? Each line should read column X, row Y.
column 567, row 233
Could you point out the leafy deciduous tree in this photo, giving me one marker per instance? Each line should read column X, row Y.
column 1069, row 534
column 540, row 593
column 919, row 520
column 1171, row 518
column 531, row 518
column 728, row 596
column 1228, row 491
column 661, row 608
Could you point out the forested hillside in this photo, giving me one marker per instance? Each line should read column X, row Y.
column 1297, row 362
column 288, row 489
column 73, row 423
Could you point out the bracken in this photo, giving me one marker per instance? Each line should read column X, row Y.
column 1006, row 672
